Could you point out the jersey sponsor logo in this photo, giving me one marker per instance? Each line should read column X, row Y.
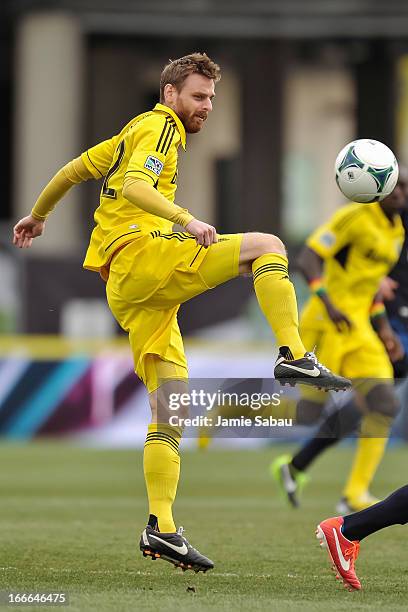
column 327, row 239
column 154, row 164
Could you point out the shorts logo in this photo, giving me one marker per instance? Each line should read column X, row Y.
column 154, row 164
column 327, row 239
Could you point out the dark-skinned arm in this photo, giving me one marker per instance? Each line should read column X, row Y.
column 310, row 265
column 381, row 324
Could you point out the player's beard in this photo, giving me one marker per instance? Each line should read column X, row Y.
column 191, row 121
column 195, row 124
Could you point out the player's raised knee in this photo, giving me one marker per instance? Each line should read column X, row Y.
column 269, row 243
column 259, row 244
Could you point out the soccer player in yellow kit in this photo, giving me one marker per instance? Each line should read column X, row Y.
column 344, row 262
column 150, row 270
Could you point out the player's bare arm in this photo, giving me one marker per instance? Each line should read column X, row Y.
column 386, row 334
column 310, row 265
column 388, row 288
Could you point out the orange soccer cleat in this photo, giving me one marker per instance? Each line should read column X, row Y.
column 342, row 552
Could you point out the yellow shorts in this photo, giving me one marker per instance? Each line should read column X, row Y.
column 149, row 279
column 357, row 354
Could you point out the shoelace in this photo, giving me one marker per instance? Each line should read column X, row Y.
column 312, row 357
column 353, row 551
column 180, row 532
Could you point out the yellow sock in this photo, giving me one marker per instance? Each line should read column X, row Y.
column 161, row 462
column 369, row 453
column 277, row 300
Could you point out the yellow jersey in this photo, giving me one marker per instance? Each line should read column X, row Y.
column 359, row 246
column 147, row 149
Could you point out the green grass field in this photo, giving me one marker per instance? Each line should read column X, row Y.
column 70, row 520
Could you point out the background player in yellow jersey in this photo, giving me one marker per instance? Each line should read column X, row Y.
column 344, row 262
column 151, row 270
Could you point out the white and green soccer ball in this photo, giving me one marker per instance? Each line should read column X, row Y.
column 366, row 170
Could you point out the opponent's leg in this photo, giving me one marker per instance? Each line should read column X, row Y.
column 342, row 536
column 290, row 472
column 391, row 511
column 290, row 479
column 335, row 426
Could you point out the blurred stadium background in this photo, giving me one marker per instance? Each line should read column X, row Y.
column 300, row 79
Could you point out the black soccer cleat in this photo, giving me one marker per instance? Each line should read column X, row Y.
column 307, row 371
column 173, row 547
